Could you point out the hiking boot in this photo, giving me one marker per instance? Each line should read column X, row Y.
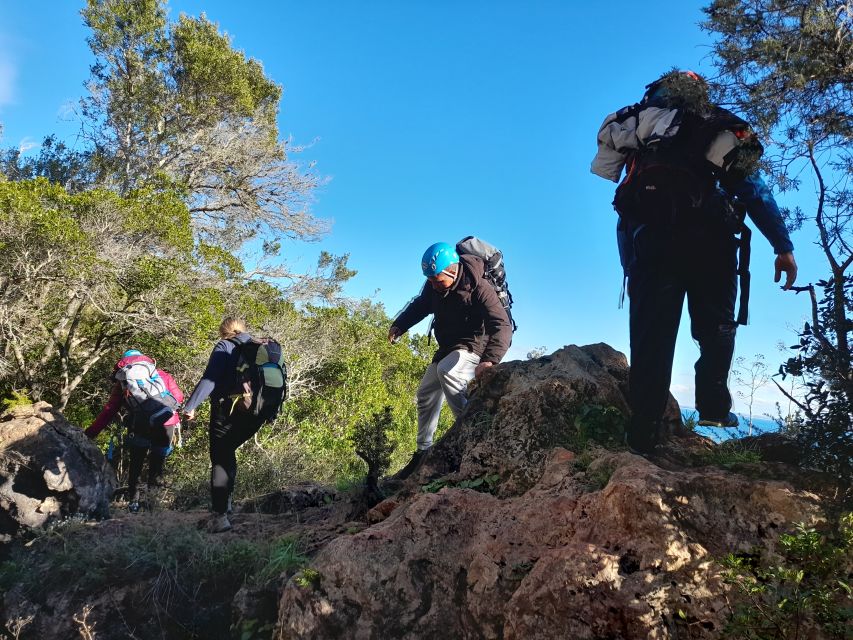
column 729, row 421
column 640, row 444
column 413, row 465
column 218, row 523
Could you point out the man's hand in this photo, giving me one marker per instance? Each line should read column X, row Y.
column 189, row 415
column 785, row 262
column 394, row 334
column 482, row 367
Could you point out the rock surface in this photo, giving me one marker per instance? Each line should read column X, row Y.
column 572, row 541
column 48, row 470
column 527, row 520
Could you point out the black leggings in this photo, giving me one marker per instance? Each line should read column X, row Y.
column 227, row 433
column 138, row 446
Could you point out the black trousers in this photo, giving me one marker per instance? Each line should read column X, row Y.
column 227, row 432
column 154, row 445
column 699, row 263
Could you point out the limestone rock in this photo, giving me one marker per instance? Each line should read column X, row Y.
column 48, row 470
column 572, row 541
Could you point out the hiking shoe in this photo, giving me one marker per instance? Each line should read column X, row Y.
column 218, row 523
column 134, row 507
column 412, row 465
column 640, row 445
column 729, row 421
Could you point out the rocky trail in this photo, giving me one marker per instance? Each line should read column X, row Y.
column 527, row 520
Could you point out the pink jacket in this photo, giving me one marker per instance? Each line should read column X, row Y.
column 117, row 397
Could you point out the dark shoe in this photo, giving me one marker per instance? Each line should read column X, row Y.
column 640, row 445
column 218, row 523
column 413, row 465
column 729, row 421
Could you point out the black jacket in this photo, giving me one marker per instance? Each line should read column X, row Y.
column 468, row 316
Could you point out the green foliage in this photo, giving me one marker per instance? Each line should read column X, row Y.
column 55, row 162
column 13, row 400
column 363, row 375
column 604, row 425
column 487, row 483
column 596, row 471
column 370, row 439
column 188, row 573
column 308, row 578
column 689, row 420
column 823, row 426
column 730, row 454
column 81, row 275
column 802, row 51
column 284, row 557
column 213, row 78
column 805, row 587
column 136, row 242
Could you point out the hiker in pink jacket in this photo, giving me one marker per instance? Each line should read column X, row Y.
column 152, row 398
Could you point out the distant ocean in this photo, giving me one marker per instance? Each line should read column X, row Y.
column 760, row 424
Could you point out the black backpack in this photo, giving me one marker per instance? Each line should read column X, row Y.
column 261, row 384
column 495, row 272
column 677, row 176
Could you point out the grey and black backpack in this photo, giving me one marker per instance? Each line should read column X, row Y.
column 495, row 271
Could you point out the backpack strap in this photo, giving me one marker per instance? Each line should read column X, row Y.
column 744, row 252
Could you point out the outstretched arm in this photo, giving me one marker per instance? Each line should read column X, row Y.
column 107, row 413
column 416, row 310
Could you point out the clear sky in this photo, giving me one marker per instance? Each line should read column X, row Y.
column 436, row 119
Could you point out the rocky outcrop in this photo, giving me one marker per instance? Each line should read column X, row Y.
column 48, row 470
column 563, row 538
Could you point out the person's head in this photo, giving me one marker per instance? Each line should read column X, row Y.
column 680, row 89
column 231, row 327
column 440, row 265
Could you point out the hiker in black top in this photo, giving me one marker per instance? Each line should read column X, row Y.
column 671, row 247
column 228, row 430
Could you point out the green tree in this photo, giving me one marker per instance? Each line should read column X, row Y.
column 82, row 274
column 175, row 103
column 788, row 66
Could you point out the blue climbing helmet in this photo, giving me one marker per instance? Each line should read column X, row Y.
column 437, row 258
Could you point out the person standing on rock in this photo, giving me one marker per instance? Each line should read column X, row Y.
column 228, row 429
column 151, row 397
column 472, row 330
column 692, row 176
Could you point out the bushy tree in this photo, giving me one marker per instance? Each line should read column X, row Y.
column 371, row 443
column 175, row 103
column 81, row 275
column 787, row 65
column 145, row 239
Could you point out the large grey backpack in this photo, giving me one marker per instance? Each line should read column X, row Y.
column 495, row 271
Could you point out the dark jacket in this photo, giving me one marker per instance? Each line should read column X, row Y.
column 761, row 208
column 219, row 376
column 468, row 316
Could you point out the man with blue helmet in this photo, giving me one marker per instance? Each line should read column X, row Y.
column 471, row 328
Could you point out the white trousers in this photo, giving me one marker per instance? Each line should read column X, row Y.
column 448, row 380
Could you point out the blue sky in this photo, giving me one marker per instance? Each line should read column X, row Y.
column 438, row 119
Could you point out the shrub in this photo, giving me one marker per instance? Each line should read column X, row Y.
column 805, row 588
